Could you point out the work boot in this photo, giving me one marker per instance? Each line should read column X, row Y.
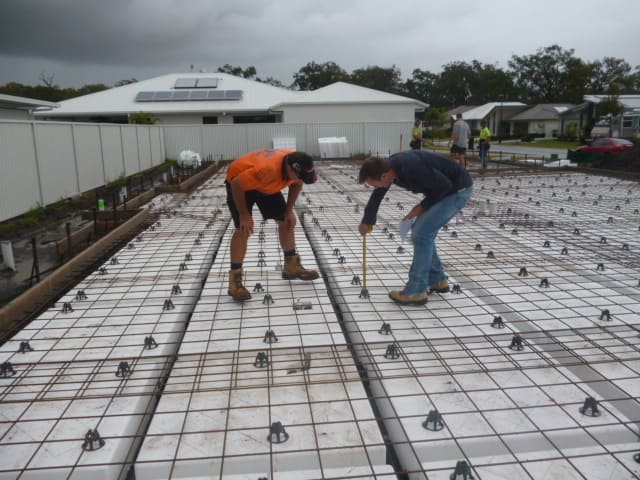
column 294, row 269
column 442, row 287
column 236, row 289
column 402, row 298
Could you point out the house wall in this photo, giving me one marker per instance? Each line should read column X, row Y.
column 230, row 141
column 13, row 114
column 348, row 113
column 548, row 127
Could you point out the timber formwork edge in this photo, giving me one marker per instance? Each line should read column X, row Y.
column 22, row 308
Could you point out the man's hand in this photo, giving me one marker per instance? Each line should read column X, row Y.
column 246, row 224
column 415, row 212
column 364, row 229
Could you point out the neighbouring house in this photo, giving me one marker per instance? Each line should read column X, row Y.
column 542, row 119
column 583, row 119
column 497, row 115
column 219, row 98
column 21, row 108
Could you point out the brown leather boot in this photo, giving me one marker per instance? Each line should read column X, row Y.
column 294, row 269
column 236, row 289
column 442, row 287
column 402, row 298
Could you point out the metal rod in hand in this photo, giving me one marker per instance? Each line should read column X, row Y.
column 364, row 261
column 364, row 293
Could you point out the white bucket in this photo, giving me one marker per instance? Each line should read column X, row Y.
column 7, row 254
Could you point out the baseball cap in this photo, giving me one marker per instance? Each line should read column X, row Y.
column 302, row 164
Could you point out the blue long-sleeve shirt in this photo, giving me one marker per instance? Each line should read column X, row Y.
column 423, row 172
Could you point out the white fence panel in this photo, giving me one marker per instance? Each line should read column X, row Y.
column 88, row 157
column 183, row 137
column 384, row 139
column 56, row 162
column 144, row 147
column 157, row 146
column 19, row 185
column 130, row 149
column 59, row 160
column 110, row 142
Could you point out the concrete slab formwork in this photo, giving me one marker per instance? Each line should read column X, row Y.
column 362, row 387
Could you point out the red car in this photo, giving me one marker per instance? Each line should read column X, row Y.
column 606, row 145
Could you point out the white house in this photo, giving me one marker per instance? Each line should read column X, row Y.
column 541, row 119
column 21, row 108
column 496, row 114
column 219, row 98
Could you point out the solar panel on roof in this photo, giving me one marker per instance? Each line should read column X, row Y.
column 162, row 95
column 215, row 95
column 144, row 97
column 208, row 82
column 181, row 95
column 185, row 83
column 198, row 94
column 233, row 94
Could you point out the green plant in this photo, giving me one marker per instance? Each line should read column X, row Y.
column 61, row 205
column 33, row 216
column 142, row 118
column 121, row 181
column 572, row 131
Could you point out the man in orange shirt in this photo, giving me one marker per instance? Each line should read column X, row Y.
column 258, row 178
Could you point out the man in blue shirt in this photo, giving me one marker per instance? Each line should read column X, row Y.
column 446, row 187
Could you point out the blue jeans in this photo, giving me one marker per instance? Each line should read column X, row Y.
column 484, row 151
column 426, row 268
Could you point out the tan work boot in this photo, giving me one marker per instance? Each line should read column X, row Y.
column 442, row 287
column 236, row 289
column 400, row 297
column 294, row 269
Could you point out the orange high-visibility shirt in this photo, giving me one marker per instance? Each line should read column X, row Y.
column 261, row 170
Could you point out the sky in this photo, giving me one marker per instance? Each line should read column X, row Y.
column 81, row 42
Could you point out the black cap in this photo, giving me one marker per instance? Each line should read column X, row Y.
column 302, row 164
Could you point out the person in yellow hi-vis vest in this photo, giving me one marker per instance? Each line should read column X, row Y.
column 485, row 141
column 416, row 136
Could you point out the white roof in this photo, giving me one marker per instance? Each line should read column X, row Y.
column 342, row 92
column 256, row 97
column 11, row 101
column 628, row 101
column 479, row 113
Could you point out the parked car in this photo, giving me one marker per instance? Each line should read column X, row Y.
column 606, row 145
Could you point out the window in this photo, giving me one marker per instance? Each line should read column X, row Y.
column 627, row 121
column 209, row 120
column 255, row 119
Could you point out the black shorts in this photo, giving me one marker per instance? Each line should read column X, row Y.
column 271, row 205
column 458, row 150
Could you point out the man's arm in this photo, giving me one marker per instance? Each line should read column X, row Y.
column 371, row 209
column 292, row 196
column 240, row 199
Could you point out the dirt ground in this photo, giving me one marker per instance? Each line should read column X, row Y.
column 46, row 233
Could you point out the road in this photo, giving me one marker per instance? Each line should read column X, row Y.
column 533, row 151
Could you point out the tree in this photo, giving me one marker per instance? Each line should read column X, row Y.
column 317, row 75
column 384, row 79
column 420, row 86
column 249, row 72
column 454, row 84
column 609, row 107
column 543, row 76
column 271, row 81
column 126, row 81
column 611, row 76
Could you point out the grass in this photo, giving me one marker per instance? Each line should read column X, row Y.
column 546, row 143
